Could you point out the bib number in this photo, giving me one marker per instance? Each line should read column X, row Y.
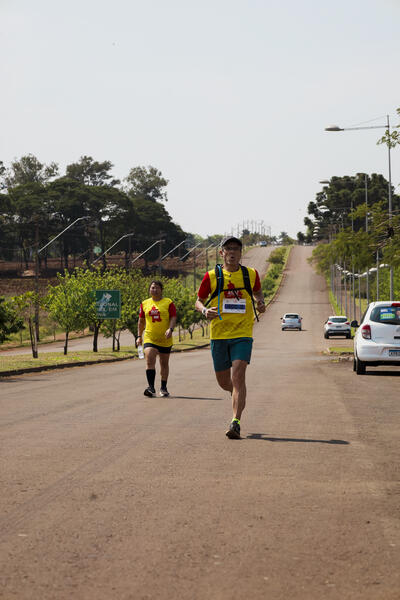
column 232, row 305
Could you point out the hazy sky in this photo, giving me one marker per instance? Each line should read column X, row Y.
column 228, row 98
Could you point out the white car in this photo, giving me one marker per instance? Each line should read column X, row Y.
column 291, row 321
column 337, row 325
column 377, row 339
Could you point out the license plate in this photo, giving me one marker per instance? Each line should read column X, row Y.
column 338, row 327
column 394, row 352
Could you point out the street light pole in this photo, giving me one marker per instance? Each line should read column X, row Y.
column 390, row 210
column 108, row 249
column 390, row 202
column 38, row 251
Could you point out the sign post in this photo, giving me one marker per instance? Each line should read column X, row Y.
column 108, row 304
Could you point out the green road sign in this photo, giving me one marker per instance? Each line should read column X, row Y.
column 97, row 250
column 108, row 304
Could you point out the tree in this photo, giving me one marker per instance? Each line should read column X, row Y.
column 10, row 321
column 147, row 183
column 184, row 300
column 340, row 196
column 65, row 303
column 24, row 305
column 301, row 238
column 90, row 172
column 285, row 239
column 28, row 169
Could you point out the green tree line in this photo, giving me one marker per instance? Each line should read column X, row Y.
column 37, row 202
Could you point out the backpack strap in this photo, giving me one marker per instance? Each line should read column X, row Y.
column 219, row 275
column 247, row 287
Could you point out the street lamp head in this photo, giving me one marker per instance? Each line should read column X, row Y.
column 334, row 128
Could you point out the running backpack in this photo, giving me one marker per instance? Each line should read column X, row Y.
column 219, row 274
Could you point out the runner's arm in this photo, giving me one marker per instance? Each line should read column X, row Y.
column 172, row 320
column 209, row 313
column 259, row 294
column 203, row 293
column 141, row 325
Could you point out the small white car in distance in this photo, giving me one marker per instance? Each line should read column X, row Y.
column 291, row 321
column 337, row 325
column 377, row 339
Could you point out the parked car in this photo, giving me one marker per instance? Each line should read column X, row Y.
column 337, row 325
column 263, row 243
column 377, row 339
column 291, row 321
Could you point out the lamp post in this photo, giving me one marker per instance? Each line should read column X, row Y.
column 352, row 293
column 147, row 249
column 390, row 211
column 108, row 249
column 38, row 251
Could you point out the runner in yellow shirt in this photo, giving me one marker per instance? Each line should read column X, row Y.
column 157, row 318
column 231, row 315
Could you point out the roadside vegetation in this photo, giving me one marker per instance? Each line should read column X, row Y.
column 277, row 263
column 70, row 307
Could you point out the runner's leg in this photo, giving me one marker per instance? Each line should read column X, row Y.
column 164, row 366
column 224, row 380
column 150, row 355
column 239, row 387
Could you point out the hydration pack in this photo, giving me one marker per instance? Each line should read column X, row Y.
column 219, row 274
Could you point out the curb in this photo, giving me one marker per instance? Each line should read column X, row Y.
column 84, row 363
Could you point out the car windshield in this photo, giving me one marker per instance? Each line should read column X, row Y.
column 389, row 315
column 291, row 316
column 338, row 319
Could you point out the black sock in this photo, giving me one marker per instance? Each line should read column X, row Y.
column 163, row 385
column 151, row 375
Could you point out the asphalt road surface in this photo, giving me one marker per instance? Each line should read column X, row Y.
column 108, row 495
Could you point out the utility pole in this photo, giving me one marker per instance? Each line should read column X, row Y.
column 36, row 336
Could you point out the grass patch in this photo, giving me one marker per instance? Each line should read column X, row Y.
column 22, row 361
column 340, row 350
column 273, row 278
column 47, row 359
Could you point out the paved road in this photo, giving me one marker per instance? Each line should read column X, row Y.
column 107, row 494
column 255, row 257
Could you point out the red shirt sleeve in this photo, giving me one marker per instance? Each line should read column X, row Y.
column 257, row 283
column 172, row 310
column 141, row 312
column 205, row 287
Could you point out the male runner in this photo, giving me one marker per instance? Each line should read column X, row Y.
column 231, row 315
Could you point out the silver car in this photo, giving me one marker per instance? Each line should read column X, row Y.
column 337, row 325
column 291, row 321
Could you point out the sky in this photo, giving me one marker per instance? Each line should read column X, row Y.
column 227, row 98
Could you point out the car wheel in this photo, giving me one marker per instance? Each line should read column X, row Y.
column 326, row 336
column 354, row 364
column 360, row 366
column 348, row 335
column 299, row 328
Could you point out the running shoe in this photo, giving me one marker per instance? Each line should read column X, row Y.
column 149, row 391
column 164, row 393
column 234, row 431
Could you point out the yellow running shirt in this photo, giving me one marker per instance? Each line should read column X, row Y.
column 236, row 312
column 157, row 315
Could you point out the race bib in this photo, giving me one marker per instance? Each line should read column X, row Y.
column 232, row 305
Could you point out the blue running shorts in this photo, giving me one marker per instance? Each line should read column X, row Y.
column 224, row 352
